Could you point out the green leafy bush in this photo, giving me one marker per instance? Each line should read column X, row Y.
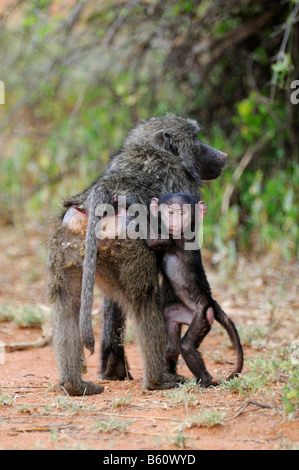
column 77, row 78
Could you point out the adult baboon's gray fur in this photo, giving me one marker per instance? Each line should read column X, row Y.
column 161, row 155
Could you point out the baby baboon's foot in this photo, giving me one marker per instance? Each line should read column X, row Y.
column 205, row 380
column 85, row 388
column 214, row 383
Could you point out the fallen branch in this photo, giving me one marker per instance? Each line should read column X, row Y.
column 150, row 418
column 45, row 340
column 44, row 428
column 249, row 402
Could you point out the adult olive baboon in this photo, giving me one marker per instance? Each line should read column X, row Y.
column 159, row 156
column 172, row 225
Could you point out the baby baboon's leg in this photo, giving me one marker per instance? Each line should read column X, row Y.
column 113, row 363
column 198, row 329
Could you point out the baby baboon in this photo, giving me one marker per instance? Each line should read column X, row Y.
column 193, row 304
column 159, row 156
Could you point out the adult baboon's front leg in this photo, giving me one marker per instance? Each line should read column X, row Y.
column 113, row 363
column 152, row 339
column 169, row 298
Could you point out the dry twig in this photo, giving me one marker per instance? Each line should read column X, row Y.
column 247, row 403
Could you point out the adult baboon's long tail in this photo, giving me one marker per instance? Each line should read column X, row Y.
column 229, row 326
column 99, row 197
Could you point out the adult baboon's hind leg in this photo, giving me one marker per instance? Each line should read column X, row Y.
column 113, row 363
column 64, row 265
column 68, row 345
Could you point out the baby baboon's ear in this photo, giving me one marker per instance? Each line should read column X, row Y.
column 154, row 207
column 202, row 209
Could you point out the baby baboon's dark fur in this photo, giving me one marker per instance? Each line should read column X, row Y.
column 193, row 303
column 159, row 156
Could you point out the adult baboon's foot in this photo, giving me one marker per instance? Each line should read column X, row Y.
column 180, row 378
column 85, row 388
column 115, row 376
column 116, row 368
column 166, row 381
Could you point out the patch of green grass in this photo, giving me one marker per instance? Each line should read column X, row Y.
column 205, row 419
column 253, row 336
column 184, row 393
column 68, row 404
column 270, row 369
column 179, row 440
column 112, row 425
column 25, row 316
column 6, row 313
column 24, row 408
column 122, row 401
column 29, row 317
column 244, row 385
column 6, row 400
column 266, row 371
column 290, row 392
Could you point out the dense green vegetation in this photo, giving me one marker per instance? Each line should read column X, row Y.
column 78, row 77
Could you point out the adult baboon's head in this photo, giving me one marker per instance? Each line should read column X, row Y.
column 178, row 136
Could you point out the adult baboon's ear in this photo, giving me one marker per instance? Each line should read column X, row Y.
column 165, row 140
column 168, row 143
column 154, row 206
